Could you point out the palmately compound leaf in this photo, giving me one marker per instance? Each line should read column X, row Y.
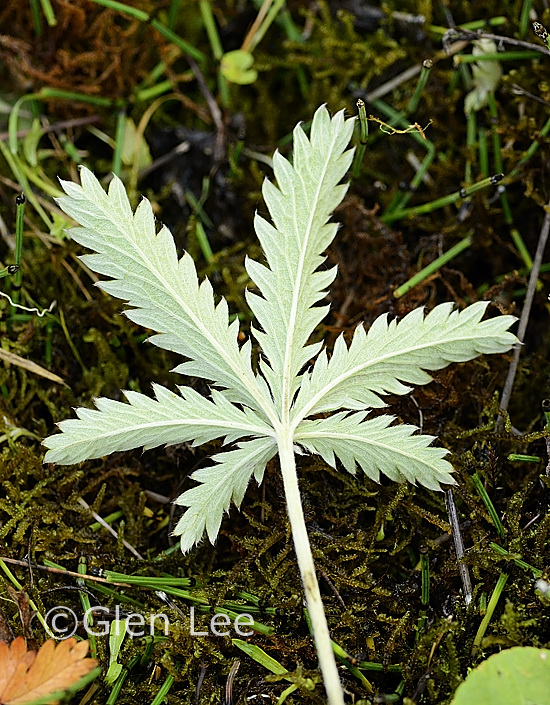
column 166, row 296
column 380, row 360
column 163, row 291
column 268, row 412
column 275, row 409
column 292, row 282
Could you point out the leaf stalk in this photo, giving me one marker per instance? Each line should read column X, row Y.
column 304, row 557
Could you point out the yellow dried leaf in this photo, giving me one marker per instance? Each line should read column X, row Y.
column 26, row 676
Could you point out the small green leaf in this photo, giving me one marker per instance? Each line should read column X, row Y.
column 60, row 226
column 260, row 656
column 116, row 637
column 235, row 67
column 518, row 676
column 135, row 146
column 486, row 74
column 31, row 141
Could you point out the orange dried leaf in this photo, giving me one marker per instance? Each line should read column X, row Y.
column 26, row 676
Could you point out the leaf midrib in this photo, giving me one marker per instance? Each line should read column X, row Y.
column 306, row 409
column 289, row 347
column 316, row 435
